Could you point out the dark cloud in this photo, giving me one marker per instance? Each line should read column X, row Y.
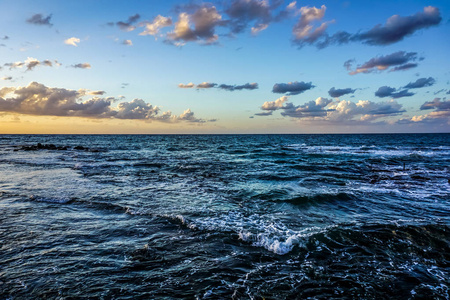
column 397, row 27
column 129, row 24
column 39, row 19
column 381, row 63
column 336, row 93
column 404, row 67
column 82, row 66
column 386, row 91
column 7, row 78
column 243, row 12
column 292, row 88
column 226, row 87
column 264, row 114
column 420, row 83
column 231, row 88
column 37, row 99
column 394, row 30
column 315, row 108
column 5, row 38
column 436, row 104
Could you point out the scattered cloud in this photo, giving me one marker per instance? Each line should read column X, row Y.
column 5, row 37
column 336, row 93
column 275, row 105
column 226, row 87
column 204, row 20
column 82, row 66
column 154, row 27
column 386, row 91
column 292, row 88
column 436, row 104
column 243, row 12
column 397, row 27
column 7, row 78
column 304, row 31
column 39, row 19
column 38, row 99
column 127, row 43
column 72, row 41
column 206, row 85
column 420, row 83
column 314, row 108
column 400, row 59
column 394, row 30
column 129, row 24
column 339, row 111
column 440, row 116
column 190, row 85
column 231, row 88
column 30, row 63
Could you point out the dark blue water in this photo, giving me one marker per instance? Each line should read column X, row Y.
column 226, row 216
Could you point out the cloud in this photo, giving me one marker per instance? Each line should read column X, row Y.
column 30, row 63
column 128, row 25
column 7, row 78
column 72, row 41
column 5, row 37
column 339, row 111
column 153, row 28
column 190, row 85
column 314, row 108
column 394, row 30
column 243, row 12
column 206, row 85
column 38, row 99
column 127, row 43
column 227, row 87
column 292, row 88
column 386, row 91
column 231, row 88
column 304, row 31
column 437, row 104
column 336, row 93
column 397, row 27
column 381, row 63
column 420, row 83
column 274, row 105
column 83, row 92
column 204, row 20
column 39, row 19
column 82, row 66
column 440, row 116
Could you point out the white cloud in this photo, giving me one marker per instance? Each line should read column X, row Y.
column 72, row 41
column 153, row 28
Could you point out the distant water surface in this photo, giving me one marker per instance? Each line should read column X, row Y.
column 225, row 216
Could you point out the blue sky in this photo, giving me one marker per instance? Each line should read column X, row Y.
column 240, row 66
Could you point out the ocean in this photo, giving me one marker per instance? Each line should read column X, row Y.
column 225, row 216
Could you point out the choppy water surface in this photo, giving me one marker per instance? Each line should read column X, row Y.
column 217, row 217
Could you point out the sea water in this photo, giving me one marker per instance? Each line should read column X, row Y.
column 225, row 216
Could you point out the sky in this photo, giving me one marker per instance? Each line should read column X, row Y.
column 237, row 66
